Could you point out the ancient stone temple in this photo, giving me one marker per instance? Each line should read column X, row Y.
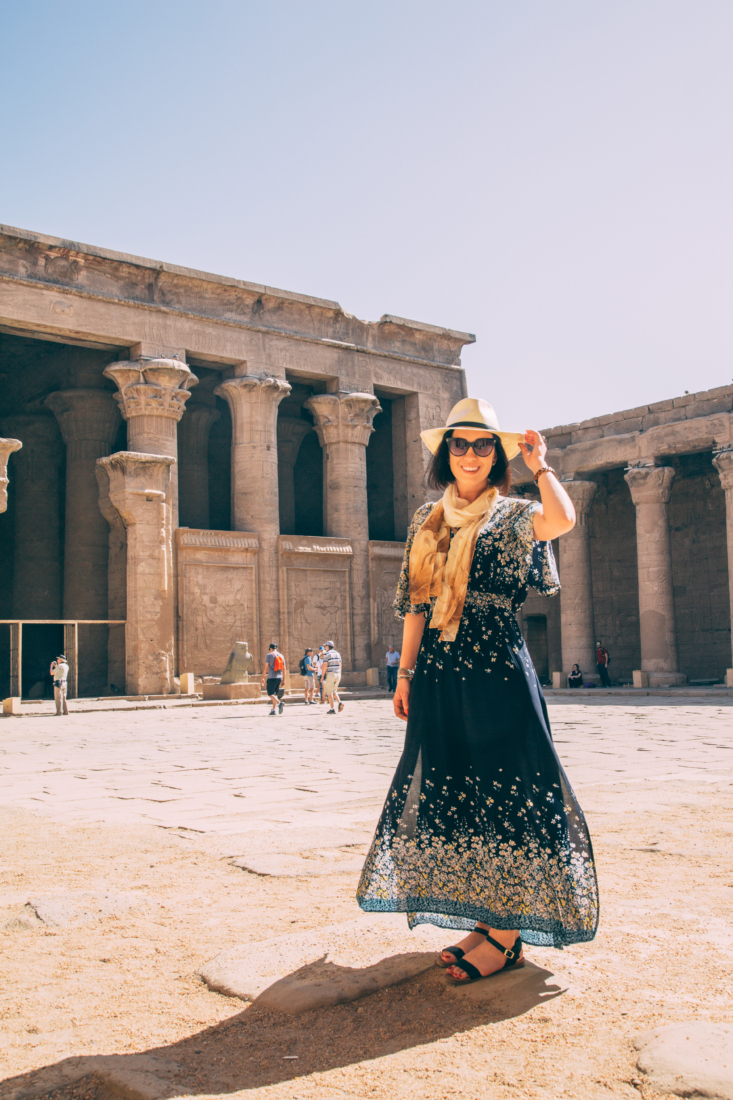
column 195, row 461
column 203, row 461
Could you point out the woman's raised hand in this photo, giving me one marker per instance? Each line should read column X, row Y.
column 534, row 459
column 401, row 699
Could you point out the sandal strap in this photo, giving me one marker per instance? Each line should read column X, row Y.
column 511, row 953
column 457, row 951
column 468, row 968
column 482, row 931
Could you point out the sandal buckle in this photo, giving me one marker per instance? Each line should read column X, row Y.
column 509, row 954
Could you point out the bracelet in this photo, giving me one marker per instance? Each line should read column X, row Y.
column 544, row 470
column 405, row 673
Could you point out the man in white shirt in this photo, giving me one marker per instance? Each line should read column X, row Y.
column 332, row 670
column 393, row 663
column 60, row 673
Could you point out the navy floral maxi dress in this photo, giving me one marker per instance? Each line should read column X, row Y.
column 480, row 822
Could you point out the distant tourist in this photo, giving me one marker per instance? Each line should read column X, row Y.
column 307, row 671
column 274, row 674
column 60, row 673
column 321, row 672
column 393, row 662
column 331, row 677
column 603, row 661
column 575, row 679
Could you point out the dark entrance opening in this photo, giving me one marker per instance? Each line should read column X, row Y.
column 41, row 643
column 380, row 476
column 535, row 634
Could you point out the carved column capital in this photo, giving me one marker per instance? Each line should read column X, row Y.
column 344, row 418
column 7, row 446
column 650, row 484
column 581, row 493
column 253, row 401
column 290, row 434
column 152, row 387
column 89, row 421
column 42, row 443
column 723, row 463
column 136, row 479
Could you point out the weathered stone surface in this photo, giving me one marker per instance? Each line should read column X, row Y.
column 66, row 910
column 295, row 974
column 694, row 1059
column 7, row 447
column 296, row 866
column 238, row 665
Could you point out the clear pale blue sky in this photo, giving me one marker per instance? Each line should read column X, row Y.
column 553, row 175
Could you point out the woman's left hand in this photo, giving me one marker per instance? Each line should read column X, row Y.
column 534, row 459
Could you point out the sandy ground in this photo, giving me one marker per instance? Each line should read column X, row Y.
column 123, row 982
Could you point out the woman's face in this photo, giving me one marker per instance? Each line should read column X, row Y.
column 469, row 469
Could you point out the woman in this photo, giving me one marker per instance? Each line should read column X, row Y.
column 575, row 679
column 480, row 830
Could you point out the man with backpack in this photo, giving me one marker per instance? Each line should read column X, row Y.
column 307, row 671
column 274, row 674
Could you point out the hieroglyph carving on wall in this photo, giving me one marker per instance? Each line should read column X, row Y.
column 218, row 610
column 318, row 611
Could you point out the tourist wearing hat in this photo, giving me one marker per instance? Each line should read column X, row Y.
column 60, row 673
column 481, row 831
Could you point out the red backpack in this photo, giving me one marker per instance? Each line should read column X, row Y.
column 279, row 663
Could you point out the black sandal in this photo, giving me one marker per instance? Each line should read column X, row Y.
column 474, row 974
column 457, row 951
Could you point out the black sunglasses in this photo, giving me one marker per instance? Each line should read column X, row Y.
column 481, row 447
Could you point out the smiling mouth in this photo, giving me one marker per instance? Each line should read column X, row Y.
column 470, row 469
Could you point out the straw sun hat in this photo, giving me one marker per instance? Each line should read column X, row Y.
column 471, row 412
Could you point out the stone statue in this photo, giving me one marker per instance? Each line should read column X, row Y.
column 238, row 665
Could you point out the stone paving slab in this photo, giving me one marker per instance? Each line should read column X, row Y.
column 693, row 1059
column 242, row 772
column 340, row 963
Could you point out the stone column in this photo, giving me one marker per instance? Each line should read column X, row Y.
column 152, row 398
column 723, row 462
column 344, row 424
column 253, row 401
column 651, row 488
column 116, row 584
column 89, row 421
column 139, row 488
column 7, row 447
column 290, row 434
column 193, row 465
column 576, row 599
column 37, row 499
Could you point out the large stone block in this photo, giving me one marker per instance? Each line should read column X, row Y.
column 217, row 596
column 315, row 581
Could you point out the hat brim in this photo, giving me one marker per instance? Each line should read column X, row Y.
column 510, row 441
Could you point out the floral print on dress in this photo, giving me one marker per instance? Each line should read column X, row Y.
column 480, row 822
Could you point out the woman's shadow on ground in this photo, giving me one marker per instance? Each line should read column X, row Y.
column 259, row 1046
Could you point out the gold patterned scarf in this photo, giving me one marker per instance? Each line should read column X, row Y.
column 439, row 565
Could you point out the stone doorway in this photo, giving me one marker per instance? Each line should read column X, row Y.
column 42, row 642
column 535, row 634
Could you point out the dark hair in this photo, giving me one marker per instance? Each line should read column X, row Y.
column 440, row 475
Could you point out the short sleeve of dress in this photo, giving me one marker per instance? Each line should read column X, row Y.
column 402, row 605
column 543, row 575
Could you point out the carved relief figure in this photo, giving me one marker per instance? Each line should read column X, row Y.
column 318, row 609
column 218, row 606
